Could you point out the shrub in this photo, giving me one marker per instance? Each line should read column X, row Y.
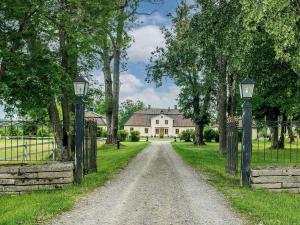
column 210, row 134
column 104, row 133
column 101, row 132
column 187, row 135
column 44, row 132
column 135, row 136
column 122, row 134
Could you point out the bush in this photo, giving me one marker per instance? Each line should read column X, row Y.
column 210, row 134
column 44, row 132
column 104, row 133
column 135, row 136
column 101, row 132
column 187, row 135
column 122, row 134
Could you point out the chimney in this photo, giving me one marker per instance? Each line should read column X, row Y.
column 149, row 106
column 175, row 106
column 169, row 109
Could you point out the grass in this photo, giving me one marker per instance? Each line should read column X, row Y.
column 38, row 207
column 13, row 150
column 264, row 155
column 257, row 206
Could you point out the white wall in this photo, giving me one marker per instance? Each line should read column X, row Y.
column 140, row 129
column 161, row 125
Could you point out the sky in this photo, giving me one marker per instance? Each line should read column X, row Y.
column 147, row 36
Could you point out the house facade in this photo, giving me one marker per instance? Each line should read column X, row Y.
column 155, row 122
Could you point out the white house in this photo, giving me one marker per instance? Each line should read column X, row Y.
column 155, row 122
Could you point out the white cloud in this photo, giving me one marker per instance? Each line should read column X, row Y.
column 146, row 39
column 129, row 84
column 135, row 89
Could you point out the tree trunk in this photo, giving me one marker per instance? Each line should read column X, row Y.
column 199, row 139
column 273, row 117
column 116, row 92
column 57, row 129
column 281, row 141
column 232, row 101
column 116, row 74
column 106, row 59
column 274, row 134
column 290, row 131
column 65, row 102
column 222, row 107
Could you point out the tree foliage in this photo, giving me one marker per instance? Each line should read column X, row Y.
column 181, row 60
column 127, row 108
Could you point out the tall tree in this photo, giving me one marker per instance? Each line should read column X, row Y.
column 181, row 61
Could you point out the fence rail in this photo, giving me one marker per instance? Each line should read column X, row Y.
column 27, row 141
column 273, row 142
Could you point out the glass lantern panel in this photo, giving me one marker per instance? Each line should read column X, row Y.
column 79, row 88
column 247, row 90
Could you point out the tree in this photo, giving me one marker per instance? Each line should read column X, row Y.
column 218, row 28
column 280, row 20
column 127, row 108
column 181, row 61
column 44, row 46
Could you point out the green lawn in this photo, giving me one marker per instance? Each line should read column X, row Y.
column 37, row 149
column 263, row 154
column 257, row 206
column 40, row 206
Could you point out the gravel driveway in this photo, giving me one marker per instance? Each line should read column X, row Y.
column 157, row 187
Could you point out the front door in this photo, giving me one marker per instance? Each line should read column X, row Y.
column 161, row 132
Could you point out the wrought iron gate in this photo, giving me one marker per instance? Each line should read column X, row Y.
column 90, row 147
column 232, row 148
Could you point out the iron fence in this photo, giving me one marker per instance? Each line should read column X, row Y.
column 27, row 141
column 275, row 141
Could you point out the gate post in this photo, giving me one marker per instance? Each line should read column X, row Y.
column 79, row 139
column 232, row 147
column 246, row 144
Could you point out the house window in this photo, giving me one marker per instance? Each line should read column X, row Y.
column 177, row 131
column 156, row 131
column 166, row 131
column 146, row 130
column 166, row 121
column 131, row 129
column 157, row 121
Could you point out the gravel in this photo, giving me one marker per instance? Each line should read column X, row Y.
column 157, row 187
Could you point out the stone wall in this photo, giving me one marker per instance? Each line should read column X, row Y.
column 276, row 179
column 22, row 178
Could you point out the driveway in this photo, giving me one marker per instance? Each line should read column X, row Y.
column 157, row 187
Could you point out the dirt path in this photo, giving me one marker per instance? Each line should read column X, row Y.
column 157, row 187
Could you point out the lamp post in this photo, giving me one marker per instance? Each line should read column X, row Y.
column 246, row 92
column 80, row 89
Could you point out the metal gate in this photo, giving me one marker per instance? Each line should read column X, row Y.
column 232, row 148
column 90, row 147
